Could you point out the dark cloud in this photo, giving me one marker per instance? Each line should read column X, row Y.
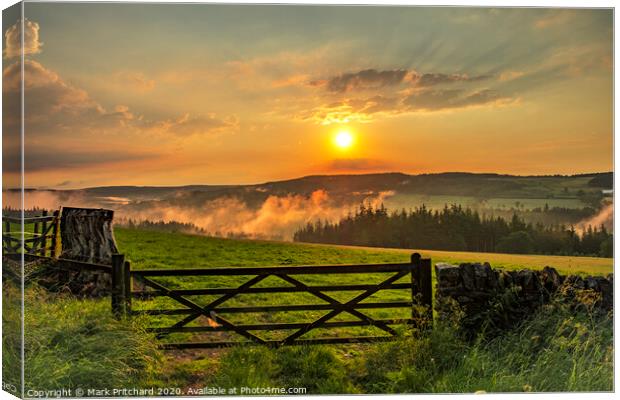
column 40, row 158
column 438, row 79
column 432, row 100
column 374, row 79
column 365, row 79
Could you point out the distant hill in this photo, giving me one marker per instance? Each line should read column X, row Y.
column 484, row 185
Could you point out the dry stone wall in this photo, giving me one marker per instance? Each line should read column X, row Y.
column 477, row 289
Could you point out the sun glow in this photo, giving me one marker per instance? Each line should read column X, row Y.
column 343, row 139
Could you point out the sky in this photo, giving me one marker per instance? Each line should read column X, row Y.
column 155, row 94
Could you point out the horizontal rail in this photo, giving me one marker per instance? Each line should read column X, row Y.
column 35, row 237
column 258, row 309
column 145, row 294
column 276, row 343
column 28, row 220
column 277, row 326
column 292, row 270
column 70, row 264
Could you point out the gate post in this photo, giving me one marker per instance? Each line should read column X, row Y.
column 118, row 265
column 415, row 279
column 127, row 287
column 422, row 285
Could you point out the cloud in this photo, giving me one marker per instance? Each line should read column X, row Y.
column 134, row 80
column 365, row 79
column 553, row 18
column 433, row 79
column 363, row 110
column 434, row 100
column 43, row 158
column 374, row 79
column 49, row 102
column 12, row 37
column 55, row 107
column 188, row 125
column 510, row 75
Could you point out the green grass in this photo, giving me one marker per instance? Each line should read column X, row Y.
column 148, row 249
column 73, row 342
column 558, row 349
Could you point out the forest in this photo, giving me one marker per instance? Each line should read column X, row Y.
column 458, row 229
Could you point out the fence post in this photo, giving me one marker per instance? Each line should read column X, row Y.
column 127, row 287
column 415, row 278
column 118, row 264
column 43, row 251
column 55, row 231
column 36, row 239
column 7, row 243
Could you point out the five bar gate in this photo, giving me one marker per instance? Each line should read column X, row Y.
column 419, row 302
column 41, row 235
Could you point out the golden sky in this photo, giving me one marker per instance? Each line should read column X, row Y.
column 154, row 94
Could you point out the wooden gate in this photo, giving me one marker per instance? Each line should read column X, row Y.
column 418, row 293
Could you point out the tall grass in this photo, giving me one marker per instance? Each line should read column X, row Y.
column 558, row 349
column 73, row 343
column 76, row 343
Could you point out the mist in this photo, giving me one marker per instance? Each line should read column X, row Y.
column 275, row 217
column 603, row 218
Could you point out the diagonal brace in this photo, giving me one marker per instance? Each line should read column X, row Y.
column 202, row 311
column 342, row 307
column 336, row 303
column 209, row 307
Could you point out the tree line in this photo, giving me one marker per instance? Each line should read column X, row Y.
column 458, row 229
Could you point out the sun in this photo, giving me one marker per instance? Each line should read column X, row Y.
column 343, row 139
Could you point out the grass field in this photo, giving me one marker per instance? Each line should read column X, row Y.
column 147, row 249
column 70, row 341
column 439, row 201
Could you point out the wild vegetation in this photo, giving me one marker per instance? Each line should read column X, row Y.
column 76, row 341
column 71, row 343
column 456, row 228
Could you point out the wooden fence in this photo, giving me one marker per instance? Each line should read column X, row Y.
column 419, row 291
column 40, row 235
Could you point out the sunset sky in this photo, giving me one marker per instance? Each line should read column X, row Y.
column 140, row 94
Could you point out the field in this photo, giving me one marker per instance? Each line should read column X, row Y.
column 558, row 349
column 484, row 204
column 148, row 249
column 172, row 250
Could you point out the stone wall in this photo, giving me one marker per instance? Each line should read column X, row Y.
column 479, row 291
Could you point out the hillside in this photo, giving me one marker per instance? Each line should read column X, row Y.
column 449, row 183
